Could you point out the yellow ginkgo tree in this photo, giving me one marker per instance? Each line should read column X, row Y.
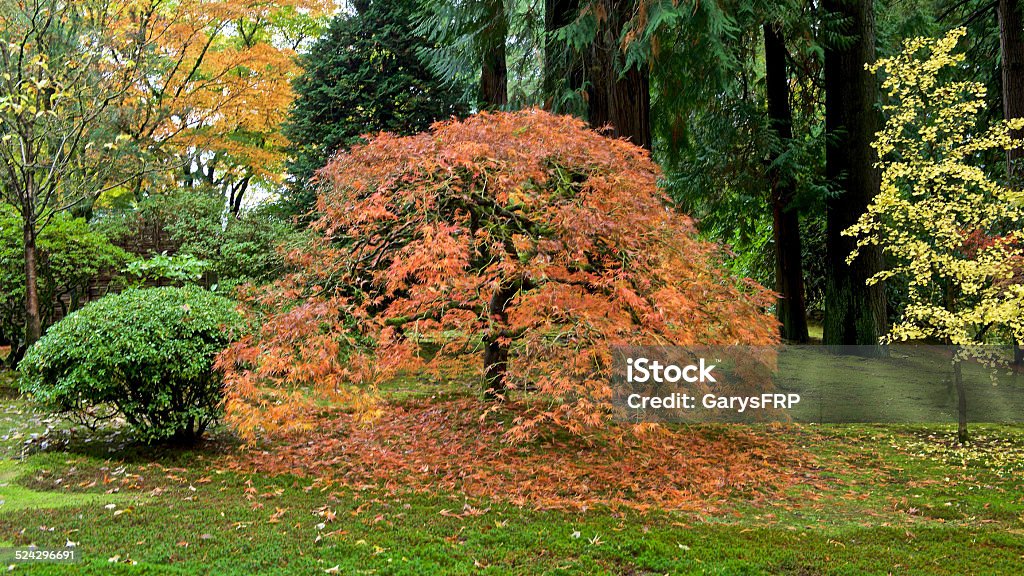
column 948, row 227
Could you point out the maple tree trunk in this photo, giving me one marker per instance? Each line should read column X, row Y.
column 623, row 102
column 494, row 73
column 495, row 343
column 1011, row 49
column 854, row 312
column 33, row 326
column 237, row 193
column 789, row 280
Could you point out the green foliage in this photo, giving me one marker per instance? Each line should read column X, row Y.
column 363, row 76
column 239, row 250
column 225, row 250
column 71, row 254
column 461, row 34
column 710, row 119
column 144, row 355
column 57, row 105
column 178, row 269
column 812, row 236
column 12, row 276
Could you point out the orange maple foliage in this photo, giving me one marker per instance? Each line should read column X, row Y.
column 215, row 86
column 427, row 446
column 523, row 237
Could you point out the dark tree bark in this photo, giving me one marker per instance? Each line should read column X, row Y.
column 631, row 107
column 494, row 73
column 236, row 193
column 962, row 435
column 1011, row 49
column 18, row 350
column 562, row 70
column 789, row 280
column 613, row 98
column 496, row 342
column 854, row 312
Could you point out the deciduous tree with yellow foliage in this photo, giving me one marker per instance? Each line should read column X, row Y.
column 60, row 88
column 951, row 231
column 137, row 95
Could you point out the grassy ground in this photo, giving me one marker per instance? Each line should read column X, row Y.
column 884, row 499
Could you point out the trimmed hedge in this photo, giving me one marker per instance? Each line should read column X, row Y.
column 145, row 355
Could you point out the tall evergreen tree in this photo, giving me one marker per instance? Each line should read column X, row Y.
column 618, row 94
column 855, row 313
column 494, row 67
column 600, row 49
column 472, row 41
column 1011, row 51
column 789, row 279
column 563, row 70
column 363, row 76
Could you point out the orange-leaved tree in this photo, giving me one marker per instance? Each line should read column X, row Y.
column 216, row 85
column 524, row 238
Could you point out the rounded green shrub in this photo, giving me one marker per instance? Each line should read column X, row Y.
column 145, row 355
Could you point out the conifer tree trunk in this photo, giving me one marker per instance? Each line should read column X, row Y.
column 1011, row 51
column 631, row 107
column 854, row 312
column 620, row 100
column 494, row 73
column 1011, row 48
column 789, row 280
column 561, row 71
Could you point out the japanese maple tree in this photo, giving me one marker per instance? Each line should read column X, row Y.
column 523, row 238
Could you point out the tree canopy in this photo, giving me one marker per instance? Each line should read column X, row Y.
column 948, row 229
column 363, row 76
column 524, row 238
